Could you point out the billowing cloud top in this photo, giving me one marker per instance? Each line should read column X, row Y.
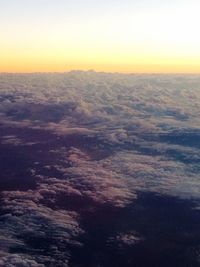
column 83, row 143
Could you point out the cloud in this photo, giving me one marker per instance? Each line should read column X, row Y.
column 35, row 230
column 125, row 239
column 100, row 98
column 117, row 112
column 18, row 260
column 87, row 140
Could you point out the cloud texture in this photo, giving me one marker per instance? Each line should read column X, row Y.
column 75, row 142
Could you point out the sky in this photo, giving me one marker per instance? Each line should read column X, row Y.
column 117, row 36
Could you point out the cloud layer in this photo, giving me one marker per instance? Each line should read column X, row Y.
column 75, row 142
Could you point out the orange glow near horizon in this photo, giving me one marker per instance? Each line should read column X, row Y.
column 46, row 36
column 176, row 69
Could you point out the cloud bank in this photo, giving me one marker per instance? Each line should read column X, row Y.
column 75, row 142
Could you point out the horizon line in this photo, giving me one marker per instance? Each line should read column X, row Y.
column 98, row 71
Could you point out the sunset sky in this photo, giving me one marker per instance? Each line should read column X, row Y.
column 113, row 35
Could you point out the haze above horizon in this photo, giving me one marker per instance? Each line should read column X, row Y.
column 130, row 36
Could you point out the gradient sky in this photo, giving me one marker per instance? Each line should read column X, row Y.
column 112, row 35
